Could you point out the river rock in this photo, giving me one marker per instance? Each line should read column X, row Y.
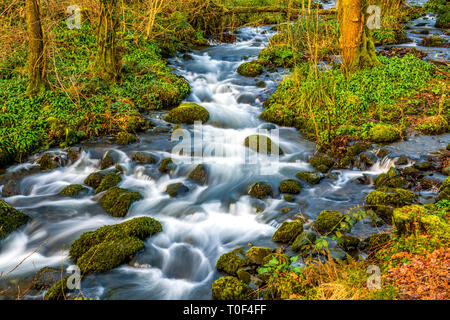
column 116, row 201
column 328, row 221
column 176, row 189
column 260, row 190
column 199, row 174
column 368, row 158
column 10, row 219
column 401, row 161
column 10, row 189
column 288, row 231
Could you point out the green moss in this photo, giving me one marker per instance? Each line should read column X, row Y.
column 384, row 201
column 376, row 241
column 167, row 165
column 176, row 189
column 443, row 21
column 125, row 138
column 256, row 255
column 94, row 179
column 282, row 287
column 290, row 186
column 108, row 160
column 391, row 179
column 281, row 258
column 72, row 191
column 144, row 158
column 348, row 242
column 383, row 133
column 322, row 162
column 46, row 162
column 137, row 124
column 10, row 219
column 262, row 144
column 199, row 174
column 110, row 180
column 244, row 275
column 310, row 177
column 328, row 221
column 288, row 198
column 250, row 69
column 230, row 288
column 111, row 246
column 116, row 201
column 304, row 242
column 58, row 291
column 230, row 262
column 260, row 190
column 288, row 231
column 188, row 113
column 434, row 125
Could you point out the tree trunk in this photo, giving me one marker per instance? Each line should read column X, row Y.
column 106, row 63
column 358, row 50
column 36, row 49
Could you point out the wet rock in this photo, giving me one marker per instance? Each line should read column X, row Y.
column 262, row 144
column 230, row 288
column 72, row 190
column 444, row 193
column 73, row 155
column 423, row 165
column 187, row 113
column 110, row 246
column 368, row 158
column 261, row 84
column 260, row 190
column 250, row 69
column 310, row 177
column 428, row 183
column 328, row 221
column 245, row 98
column 10, row 219
column 176, row 189
column 382, row 153
column 338, row 254
column 304, row 242
column 124, row 138
column 348, row 242
column 412, row 172
column 383, row 133
column 116, row 201
column 288, row 231
column 401, row 161
column 230, row 262
column 446, row 171
column 10, row 189
column 167, row 165
column 110, row 180
column 94, row 179
column 288, row 198
column 144, row 158
column 391, row 179
column 433, row 41
column 322, row 162
column 110, row 158
column 290, row 186
column 138, row 124
column 47, row 162
column 256, row 255
column 384, row 201
column 46, row 278
column 199, row 174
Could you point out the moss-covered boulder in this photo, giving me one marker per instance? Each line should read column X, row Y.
column 444, row 191
column 10, row 189
column 417, row 219
column 384, row 201
column 280, row 257
column 290, row 186
column 230, row 262
column 10, row 219
column 144, row 158
column 260, row 190
column 199, row 174
column 110, row 246
column 423, row 165
column 176, row 189
column 116, row 201
column 47, row 162
column 446, row 171
column 443, row 20
column 94, row 179
column 109, row 159
column 46, row 278
column 304, row 242
column 383, row 133
column 262, row 144
column 137, row 124
column 433, row 125
column 328, row 221
column 288, row 231
column 310, row 177
column 125, row 138
column 282, row 287
column 58, row 291
column 348, row 242
column 110, row 180
column 322, row 162
column 230, row 288
column 188, row 113
column 256, row 255
column 167, row 165
column 72, row 190
column 391, row 179
column 250, row 69
column 375, row 242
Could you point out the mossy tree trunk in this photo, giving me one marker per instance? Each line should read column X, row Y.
column 36, row 49
column 106, row 63
column 358, row 49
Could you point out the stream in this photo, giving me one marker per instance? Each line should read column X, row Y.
column 209, row 220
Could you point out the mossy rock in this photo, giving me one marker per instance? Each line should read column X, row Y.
column 187, row 113
column 282, row 287
column 72, row 191
column 448, row 146
column 176, row 189
column 443, row 21
column 383, row 133
column 230, row 288
column 416, row 219
column 46, row 278
column 375, row 242
column 310, row 177
column 199, row 174
column 260, row 190
column 94, row 179
column 110, row 180
column 250, row 69
column 281, row 258
column 446, row 171
column 137, row 124
column 384, row 201
column 144, row 158
column 262, row 144
column 328, row 221
column 423, row 165
column 290, row 186
column 167, row 165
column 116, row 201
column 433, row 125
column 288, row 198
column 304, row 242
column 110, row 246
column 391, row 179
column 256, row 255
column 109, row 159
column 10, row 189
column 348, row 242
column 10, row 219
column 322, row 162
column 244, row 275
column 125, row 138
column 58, row 292
column 288, row 231
column 230, row 262
column 47, row 162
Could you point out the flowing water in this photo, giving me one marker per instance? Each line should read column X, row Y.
column 179, row 263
